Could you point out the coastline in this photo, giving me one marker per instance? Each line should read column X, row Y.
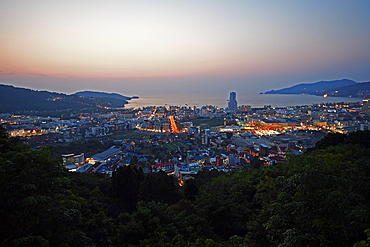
column 253, row 100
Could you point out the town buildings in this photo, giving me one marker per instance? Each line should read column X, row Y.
column 183, row 140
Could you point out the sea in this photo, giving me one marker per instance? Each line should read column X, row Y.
column 253, row 100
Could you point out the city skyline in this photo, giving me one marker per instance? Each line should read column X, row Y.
column 145, row 47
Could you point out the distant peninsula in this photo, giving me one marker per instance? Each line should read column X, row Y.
column 103, row 95
column 20, row 100
column 335, row 88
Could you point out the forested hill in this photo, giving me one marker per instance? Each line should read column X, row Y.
column 14, row 99
column 102, row 95
column 340, row 88
column 355, row 90
column 320, row 198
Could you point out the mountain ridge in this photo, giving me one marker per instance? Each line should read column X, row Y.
column 316, row 88
column 361, row 89
column 17, row 99
column 96, row 94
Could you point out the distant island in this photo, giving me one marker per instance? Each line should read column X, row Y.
column 336, row 88
column 103, row 95
column 19, row 100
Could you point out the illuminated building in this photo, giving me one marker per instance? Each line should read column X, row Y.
column 232, row 104
column 244, row 108
column 69, row 159
column 219, row 161
column 167, row 167
column 366, row 106
column 105, row 156
column 203, row 111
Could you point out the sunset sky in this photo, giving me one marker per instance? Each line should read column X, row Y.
column 145, row 47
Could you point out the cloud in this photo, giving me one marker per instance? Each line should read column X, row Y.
column 37, row 74
column 23, row 74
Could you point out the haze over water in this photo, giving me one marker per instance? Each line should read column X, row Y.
column 220, row 100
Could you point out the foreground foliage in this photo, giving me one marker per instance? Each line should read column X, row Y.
column 320, row 198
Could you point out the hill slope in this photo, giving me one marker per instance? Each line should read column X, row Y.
column 102, row 95
column 14, row 99
column 317, row 88
column 356, row 90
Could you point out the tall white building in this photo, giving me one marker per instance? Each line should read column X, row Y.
column 366, row 106
column 232, row 104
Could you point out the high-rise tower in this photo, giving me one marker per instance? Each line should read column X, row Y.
column 233, row 104
column 366, row 106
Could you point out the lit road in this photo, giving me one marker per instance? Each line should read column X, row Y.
column 173, row 125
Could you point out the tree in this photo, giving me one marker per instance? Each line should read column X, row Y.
column 36, row 204
column 125, row 186
column 157, row 224
column 159, row 187
column 227, row 203
column 318, row 202
column 330, row 139
column 191, row 189
column 364, row 243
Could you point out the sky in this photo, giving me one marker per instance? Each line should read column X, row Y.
column 147, row 47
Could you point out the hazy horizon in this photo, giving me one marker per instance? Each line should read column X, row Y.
column 155, row 47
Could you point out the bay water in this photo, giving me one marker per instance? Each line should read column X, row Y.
column 253, row 100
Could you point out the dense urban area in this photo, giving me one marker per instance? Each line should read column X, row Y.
column 188, row 176
column 183, row 140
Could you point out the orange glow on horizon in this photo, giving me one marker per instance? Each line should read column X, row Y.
column 13, row 66
column 185, row 40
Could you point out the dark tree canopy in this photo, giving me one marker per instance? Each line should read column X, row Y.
column 320, row 198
